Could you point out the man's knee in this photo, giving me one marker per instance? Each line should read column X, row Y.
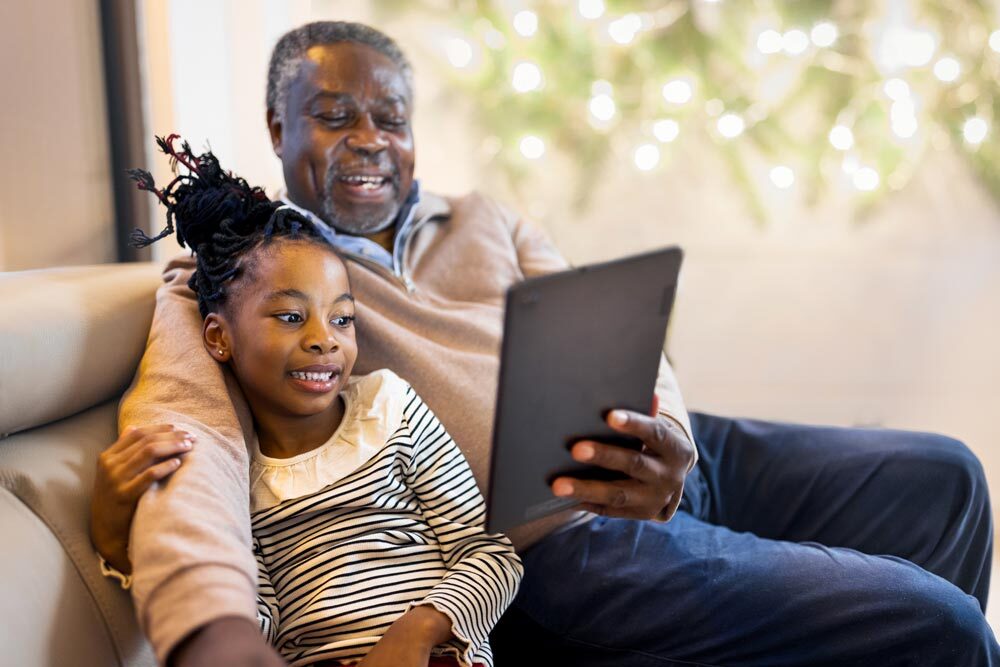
column 947, row 466
column 955, row 631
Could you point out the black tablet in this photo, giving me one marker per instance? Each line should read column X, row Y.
column 576, row 345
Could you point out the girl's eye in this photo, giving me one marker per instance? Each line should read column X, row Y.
column 289, row 318
column 343, row 321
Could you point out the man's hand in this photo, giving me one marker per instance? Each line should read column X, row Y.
column 233, row 642
column 125, row 470
column 409, row 640
column 656, row 474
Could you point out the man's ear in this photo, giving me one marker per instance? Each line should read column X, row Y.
column 275, row 127
column 215, row 336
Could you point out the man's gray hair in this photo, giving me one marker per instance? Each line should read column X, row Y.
column 291, row 49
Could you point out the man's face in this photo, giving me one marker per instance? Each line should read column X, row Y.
column 345, row 142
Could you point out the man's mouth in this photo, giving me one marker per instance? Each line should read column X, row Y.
column 361, row 198
column 365, row 182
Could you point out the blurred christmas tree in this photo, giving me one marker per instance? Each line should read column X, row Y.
column 824, row 93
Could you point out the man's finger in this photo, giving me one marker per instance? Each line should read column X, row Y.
column 613, row 495
column 632, row 462
column 667, row 513
column 603, row 510
column 656, row 432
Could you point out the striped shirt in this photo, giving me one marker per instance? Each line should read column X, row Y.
column 344, row 549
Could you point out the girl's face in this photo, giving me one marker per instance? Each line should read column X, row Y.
column 289, row 333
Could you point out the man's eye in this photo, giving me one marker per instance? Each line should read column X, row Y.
column 393, row 122
column 343, row 321
column 333, row 119
column 290, row 318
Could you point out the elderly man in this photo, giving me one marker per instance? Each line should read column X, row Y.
column 781, row 545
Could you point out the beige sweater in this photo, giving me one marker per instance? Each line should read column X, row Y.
column 439, row 329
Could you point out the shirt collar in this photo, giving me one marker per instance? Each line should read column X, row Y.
column 359, row 244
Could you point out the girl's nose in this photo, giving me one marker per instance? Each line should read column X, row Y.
column 323, row 347
column 321, row 340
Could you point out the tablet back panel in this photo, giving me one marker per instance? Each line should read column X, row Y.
column 576, row 344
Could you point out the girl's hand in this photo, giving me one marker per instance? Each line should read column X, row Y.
column 408, row 641
column 125, row 470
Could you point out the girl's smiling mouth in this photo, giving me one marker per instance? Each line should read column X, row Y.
column 317, row 378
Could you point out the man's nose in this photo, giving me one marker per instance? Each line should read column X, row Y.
column 366, row 137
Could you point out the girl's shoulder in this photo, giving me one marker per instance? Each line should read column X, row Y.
column 375, row 393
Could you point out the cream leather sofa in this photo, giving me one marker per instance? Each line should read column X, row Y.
column 70, row 341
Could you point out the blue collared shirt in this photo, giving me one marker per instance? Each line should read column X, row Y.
column 365, row 247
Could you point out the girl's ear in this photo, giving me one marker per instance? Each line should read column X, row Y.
column 216, row 338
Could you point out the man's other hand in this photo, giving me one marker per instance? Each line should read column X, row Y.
column 233, row 642
column 655, row 474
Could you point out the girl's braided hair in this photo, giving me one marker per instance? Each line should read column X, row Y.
column 219, row 216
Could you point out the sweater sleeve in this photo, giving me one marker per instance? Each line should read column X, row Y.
column 483, row 570
column 190, row 541
column 672, row 403
column 536, row 255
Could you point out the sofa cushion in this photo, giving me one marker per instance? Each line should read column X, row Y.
column 71, row 338
column 49, row 617
column 53, row 591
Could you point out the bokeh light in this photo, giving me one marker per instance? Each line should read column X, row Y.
column 591, row 9
column 782, row 177
column 526, row 23
column 678, row 91
column 731, row 125
column 666, row 130
column 975, row 130
column 527, row 77
column 947, row 69
column 824, row 34
column 646, row 157
column 532, row 147
column 841, row 137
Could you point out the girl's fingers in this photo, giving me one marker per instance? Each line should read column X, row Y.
column 153, row 449
column 155, row 473
column 133, row 434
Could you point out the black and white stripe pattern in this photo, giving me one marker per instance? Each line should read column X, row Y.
column 338, row 566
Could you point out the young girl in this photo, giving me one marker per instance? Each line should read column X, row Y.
column 367, row 523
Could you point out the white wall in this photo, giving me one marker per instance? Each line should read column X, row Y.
column 56, row 204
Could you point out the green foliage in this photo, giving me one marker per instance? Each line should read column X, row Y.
column 788, row 100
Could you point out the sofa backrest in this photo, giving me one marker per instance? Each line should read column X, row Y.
column 70, row 340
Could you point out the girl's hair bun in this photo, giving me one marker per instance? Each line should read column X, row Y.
column 220, row 217
column 201, row 201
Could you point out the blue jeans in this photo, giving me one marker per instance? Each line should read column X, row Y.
column 794, row 545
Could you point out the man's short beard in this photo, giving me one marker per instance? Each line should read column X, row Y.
column 369, row 220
